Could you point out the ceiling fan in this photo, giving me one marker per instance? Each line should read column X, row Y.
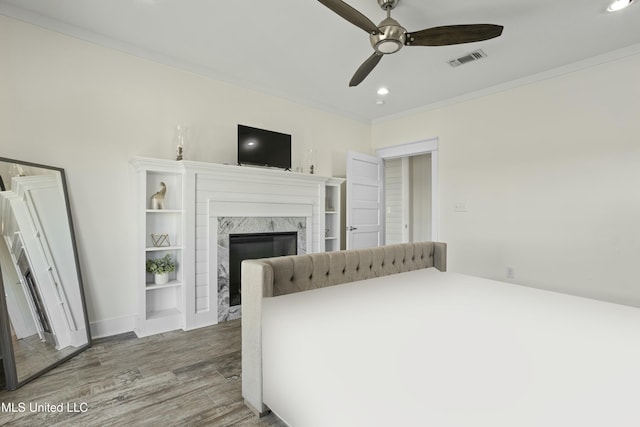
column 389, row 37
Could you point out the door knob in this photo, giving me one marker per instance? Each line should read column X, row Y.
column 351, row 228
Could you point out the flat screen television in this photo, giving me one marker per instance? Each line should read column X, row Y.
column 263, row 147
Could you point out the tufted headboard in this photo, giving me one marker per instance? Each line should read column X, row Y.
column 272, row 277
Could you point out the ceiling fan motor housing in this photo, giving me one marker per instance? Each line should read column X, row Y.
column 391, row 37
column 387, row 4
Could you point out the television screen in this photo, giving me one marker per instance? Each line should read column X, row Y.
column 263, row 147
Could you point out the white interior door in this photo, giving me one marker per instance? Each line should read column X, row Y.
column 365, row 203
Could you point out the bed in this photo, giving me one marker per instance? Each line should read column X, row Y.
column 403, row 342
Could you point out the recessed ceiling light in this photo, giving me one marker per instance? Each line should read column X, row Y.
column 379, row 101
column 383, row 91
column 617, row 5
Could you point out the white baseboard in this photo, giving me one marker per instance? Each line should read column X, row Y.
column 114, row 326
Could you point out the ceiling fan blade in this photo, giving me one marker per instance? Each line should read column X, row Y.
column 453, row 34
column 351, row 15
column 363, row 71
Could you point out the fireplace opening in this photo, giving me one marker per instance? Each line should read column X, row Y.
column 255, row 246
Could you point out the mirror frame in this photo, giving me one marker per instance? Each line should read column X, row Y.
column 12, row 381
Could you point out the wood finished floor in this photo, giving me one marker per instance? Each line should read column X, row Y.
column 173, row 379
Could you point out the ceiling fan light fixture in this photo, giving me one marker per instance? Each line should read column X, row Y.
column 388, row 46
column 617, row 5
column 391, row 37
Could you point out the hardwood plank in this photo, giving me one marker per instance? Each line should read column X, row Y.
column 177, row 378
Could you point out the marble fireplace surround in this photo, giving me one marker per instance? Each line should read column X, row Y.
column 219, row 198
column 227, row 217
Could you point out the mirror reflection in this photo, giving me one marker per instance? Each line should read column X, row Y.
column 44, row 302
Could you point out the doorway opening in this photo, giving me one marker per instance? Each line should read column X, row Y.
column 365, row 196
column 411, row 192
column 408, row 199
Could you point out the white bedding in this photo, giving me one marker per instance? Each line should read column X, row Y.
column 427, row 348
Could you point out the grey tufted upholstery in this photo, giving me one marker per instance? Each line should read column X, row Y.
column 304, row 272
column 284, row 275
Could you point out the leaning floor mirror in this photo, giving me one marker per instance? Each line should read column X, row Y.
column 43, row 317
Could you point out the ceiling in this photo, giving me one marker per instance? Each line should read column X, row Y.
column 302, row 51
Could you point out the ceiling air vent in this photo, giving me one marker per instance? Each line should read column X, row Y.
column 473, row 56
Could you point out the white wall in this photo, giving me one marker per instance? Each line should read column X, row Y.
column 88, row 109
column 550, row 173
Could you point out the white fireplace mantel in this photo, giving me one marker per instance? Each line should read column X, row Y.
column 214, row 191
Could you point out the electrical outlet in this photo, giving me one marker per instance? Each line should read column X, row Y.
column 510, row 273
column 460, row 207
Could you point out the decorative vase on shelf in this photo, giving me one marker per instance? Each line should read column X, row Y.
column 161, row 278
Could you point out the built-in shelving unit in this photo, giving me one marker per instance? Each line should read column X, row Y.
column 187, row 227
column 161, row 306
column 332, row 214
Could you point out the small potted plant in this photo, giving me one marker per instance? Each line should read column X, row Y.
column 160, row 268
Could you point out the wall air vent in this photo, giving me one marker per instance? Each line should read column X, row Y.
column 473, row 56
